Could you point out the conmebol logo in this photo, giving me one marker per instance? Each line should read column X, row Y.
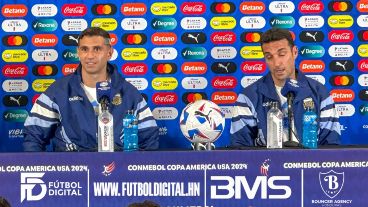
column 312, row 7
column 15, row 71
column 342, row 95
column 74, row 9
column 193, row 8
column 134, row 69
column 164, row 98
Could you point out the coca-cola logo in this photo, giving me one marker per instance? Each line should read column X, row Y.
column 340, row 36
column 15, row 71
column 134, row 69
column 164, row 98
column 223, row 37
column 311, row 7
column 74, row 10
column 190, row 8
column 253, row 67
column 224, row 82
column 363, row 65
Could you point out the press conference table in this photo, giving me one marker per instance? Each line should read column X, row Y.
column 251, row 177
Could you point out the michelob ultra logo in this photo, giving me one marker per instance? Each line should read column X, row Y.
column 223, row 22
column 311, row 21
column 108, row 24
column 193, row 23
column 193, row 37
column 252, row 22
column 164, row 83
column 194, row 83
column 44, row 10
column 139, row 83
column 252, row 7
column 44, row 25
column 312, row 66
column 74, row 10
column 282, row 22
column 14, row 10
column 363, row 50
column 44, row 55
column 44, row 70
column 222, row 7
column 223, row 67
column 134, row 69
column 281, row 7
column 44, row 40
column 251, row 52
column 312, row 51
column 341, row 21
column 104, row 9
column 193, row 68
column 15, row 55
column 15, row 85
column 193, row 8
column 189, row 97
column 362, row 6
column 340, row 6
column 15, row 115
column 341, row 51
column 341, row 65
column 342, row 95
column 134, row 54
column 163, row 8
column 40, row 85
column 362, row 20
column 341, row 80
column 224, row 97
column 194, row 53
column 15, row 70
column 164, row 53
column 164, row 23
column 133, row 9
column 132, row 24
column 15, row 40
column 14, row 25
column 70, row 55
column 73, row 25
column 164, row 38
column 345, row 109
column 134, row 38
column 69, row 68
column 224, row 52
column 363, row 80
column 164, row 68
column 311, row 6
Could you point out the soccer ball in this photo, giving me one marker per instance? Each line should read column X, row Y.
column 202, row 121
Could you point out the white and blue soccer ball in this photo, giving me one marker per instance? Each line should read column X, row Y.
column 202, row 121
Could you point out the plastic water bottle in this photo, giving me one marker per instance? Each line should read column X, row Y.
column 130, row 125
column 310, row 139
column 274, row 127
column 105, row 130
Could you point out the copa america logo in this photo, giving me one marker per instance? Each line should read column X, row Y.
column 28, row 182
column 331, row 183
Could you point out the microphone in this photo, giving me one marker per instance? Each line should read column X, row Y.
column 290, row 90
column 103, row 92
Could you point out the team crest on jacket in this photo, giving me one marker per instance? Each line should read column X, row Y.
column 117, row 100
column 308, row 103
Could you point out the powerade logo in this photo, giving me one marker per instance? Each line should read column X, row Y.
column 283, row 22
column 164, row 23
column 311, row 36
column 108, row 24
column 16, row 115
column 44, row 25
column 104, row 9
column 312, row 51
column 163, row 8
column 194, row 53
column 342, row 65
column 223, row 67
column 14, row 40
column 193, row 37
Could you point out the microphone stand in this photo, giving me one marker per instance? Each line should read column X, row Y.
column 290, row 142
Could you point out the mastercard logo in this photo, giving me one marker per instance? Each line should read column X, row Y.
column 134, row 39
column 342, row 80
column 190, row 97
column 363, row 35
column 44, row 70
column 251, row 37
column 340, row 6
column 222, row 7
column 164, row 68
column 104, row 9
column 14, row 40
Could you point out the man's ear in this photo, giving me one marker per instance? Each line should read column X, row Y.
column 295, row 51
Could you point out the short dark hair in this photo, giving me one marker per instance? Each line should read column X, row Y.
column 95, row 31
column 276, row 34
column 4, row 202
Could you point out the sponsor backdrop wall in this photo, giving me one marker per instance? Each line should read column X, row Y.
column 175, row 52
